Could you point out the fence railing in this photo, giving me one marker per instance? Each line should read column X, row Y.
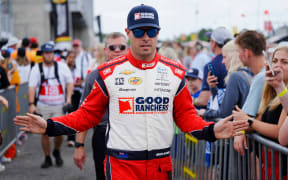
column 7, row 127
column 194, row 159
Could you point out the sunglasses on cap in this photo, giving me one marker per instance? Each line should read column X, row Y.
column 114, row 47
column 138, row 33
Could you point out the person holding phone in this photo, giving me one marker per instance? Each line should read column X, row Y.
column 279, row 83
column 218, row 38
column 238, row 82
column 271, row 113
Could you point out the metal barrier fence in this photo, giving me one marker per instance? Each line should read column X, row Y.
column 7, row 127
column 193, row 159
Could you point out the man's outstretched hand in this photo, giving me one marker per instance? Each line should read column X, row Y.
column 31, row 123
column 226, row 128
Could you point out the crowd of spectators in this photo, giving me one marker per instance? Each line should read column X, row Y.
column 231, row 82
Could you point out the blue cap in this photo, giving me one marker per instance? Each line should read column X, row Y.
column 194, row 73
column 5, row 53
column 142, row 16
column 47, row 47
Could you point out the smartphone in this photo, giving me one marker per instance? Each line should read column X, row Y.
column 269, row 63
column 38, row 53
column 210, row 68
column 10, row 66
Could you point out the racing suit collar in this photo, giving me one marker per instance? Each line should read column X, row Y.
column 141, row 64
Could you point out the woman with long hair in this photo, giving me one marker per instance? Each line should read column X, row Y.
column 271, row 114
column 237, row 84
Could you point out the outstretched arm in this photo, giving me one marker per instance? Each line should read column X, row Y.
column 31, row 123
column 226, row 128
column 87, row 116
column 187, row 120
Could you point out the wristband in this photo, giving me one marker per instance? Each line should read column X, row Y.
column 31, row 103
column 77, row 144
column 282, row 93
column 243, row 132
column 250, row 121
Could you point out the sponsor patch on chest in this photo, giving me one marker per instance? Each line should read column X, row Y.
column 143, row 105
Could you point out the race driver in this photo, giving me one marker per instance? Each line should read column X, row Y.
column 144, row 92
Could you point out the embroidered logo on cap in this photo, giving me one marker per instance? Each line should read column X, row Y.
column 143, row 15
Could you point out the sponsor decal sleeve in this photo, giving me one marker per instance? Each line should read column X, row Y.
column 186, row 118
column 87, row 116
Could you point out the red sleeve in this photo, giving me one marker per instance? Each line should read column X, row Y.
column 186, row 118
column 88, row 115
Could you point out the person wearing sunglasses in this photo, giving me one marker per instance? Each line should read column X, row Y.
column 145, row 92
column 115, row 46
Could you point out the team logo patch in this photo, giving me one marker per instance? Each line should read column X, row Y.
column 135, row 81
column 142, row 15
column 126, row 105
column 106, row 71
column 178, row 71
column 148, row 65
column 119, row 81
column 127, row 72
column 162, row 74
column 143, row 105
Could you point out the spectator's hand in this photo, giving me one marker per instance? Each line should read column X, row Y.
column 238, row 114
column 201, row 112
column 11, row 71
column 32, row 109
column 226, row 128
column 79, row 157
column 68, row 101
column 212, row 80
column 4, row 102
column 31, row 123
column 275, row 81
column 239, row 141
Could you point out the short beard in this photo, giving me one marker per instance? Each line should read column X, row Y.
column 48, row 62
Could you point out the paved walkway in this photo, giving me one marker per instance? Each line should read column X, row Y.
column 26, row 166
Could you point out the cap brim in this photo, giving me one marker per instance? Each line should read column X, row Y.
column 144, row 25
column 208, row 34
column 39, row 52
column 196, row 77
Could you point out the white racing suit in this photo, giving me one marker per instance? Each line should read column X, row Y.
column 143, row 100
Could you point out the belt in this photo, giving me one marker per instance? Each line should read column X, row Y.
column 138, row 155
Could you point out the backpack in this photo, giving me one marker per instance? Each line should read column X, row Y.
column 43, row 78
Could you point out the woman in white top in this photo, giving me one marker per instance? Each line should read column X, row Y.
column 23, row 65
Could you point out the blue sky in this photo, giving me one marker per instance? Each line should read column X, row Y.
column 186, row 16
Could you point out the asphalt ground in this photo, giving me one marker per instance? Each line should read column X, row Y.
column 26, row 165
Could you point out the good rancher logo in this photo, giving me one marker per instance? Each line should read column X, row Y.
column 143, row 105
column 135, row 81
